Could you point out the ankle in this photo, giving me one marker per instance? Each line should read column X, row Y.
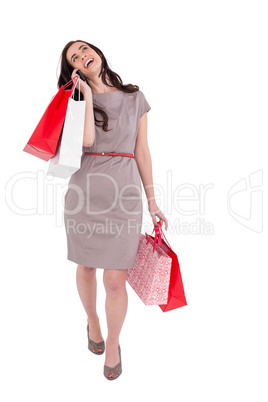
column 93, row 320
column 112, row 341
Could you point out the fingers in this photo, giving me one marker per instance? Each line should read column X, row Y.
column 154, row 218
column 74, row 74
column 164, row 220
column 161, row 217
column 166, row 223
column 158, row 213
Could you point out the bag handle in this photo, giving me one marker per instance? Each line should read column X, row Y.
column 78, row 90
column 158, row 235
column 72, row 80
column 162, row 233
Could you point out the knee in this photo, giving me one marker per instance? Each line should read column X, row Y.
column 87, row 270
column 114, row 282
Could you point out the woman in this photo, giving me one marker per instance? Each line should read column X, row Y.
column 103, row 203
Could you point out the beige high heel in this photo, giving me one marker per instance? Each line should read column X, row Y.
column 112, row 373
column 94, row 347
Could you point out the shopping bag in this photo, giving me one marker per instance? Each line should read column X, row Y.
column 176, row 295
column 150, row 276
column 67, row 159
column 43, row 142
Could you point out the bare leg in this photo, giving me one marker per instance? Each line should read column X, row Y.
column 116, row 308
column 87, row 288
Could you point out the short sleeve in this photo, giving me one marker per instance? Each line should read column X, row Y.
column 144, row 105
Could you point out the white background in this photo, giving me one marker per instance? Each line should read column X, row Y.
column 202, row 66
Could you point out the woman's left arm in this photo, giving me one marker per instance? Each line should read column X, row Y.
column 144, row 162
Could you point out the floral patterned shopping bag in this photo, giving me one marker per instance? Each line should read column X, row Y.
column 156, row 275
column 151, row 274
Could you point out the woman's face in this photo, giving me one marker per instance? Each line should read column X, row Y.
column 79, row 55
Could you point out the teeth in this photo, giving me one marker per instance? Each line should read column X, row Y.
column 87, row 63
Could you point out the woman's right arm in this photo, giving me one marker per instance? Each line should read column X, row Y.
column 89, row 127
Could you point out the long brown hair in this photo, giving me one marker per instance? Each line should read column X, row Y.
column 66, row 72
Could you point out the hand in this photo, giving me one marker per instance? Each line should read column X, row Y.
column 84, row 87
column 154, row 212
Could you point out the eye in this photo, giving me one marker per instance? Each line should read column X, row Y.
column 85, row 47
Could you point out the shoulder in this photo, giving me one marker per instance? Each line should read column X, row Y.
column 140, row 94
column 140, row 100
column 137, row 94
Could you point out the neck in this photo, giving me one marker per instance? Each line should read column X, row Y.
column 97, row 86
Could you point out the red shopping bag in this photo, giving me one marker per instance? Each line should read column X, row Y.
column 176, row 295
column 44, row 140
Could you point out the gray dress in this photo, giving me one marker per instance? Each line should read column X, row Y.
column 103, row 203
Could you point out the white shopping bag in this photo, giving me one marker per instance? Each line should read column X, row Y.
column 67, row 158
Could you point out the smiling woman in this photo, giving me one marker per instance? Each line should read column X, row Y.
column 74, row 56
column 103, row 204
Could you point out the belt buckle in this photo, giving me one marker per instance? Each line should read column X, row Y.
column 106, row 152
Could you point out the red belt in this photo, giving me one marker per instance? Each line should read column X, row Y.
column 108, row 153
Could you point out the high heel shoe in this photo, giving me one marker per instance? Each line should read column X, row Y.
column 94, row 347
column 112, row 373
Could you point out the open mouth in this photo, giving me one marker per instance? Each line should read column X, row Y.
column 89, row 62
